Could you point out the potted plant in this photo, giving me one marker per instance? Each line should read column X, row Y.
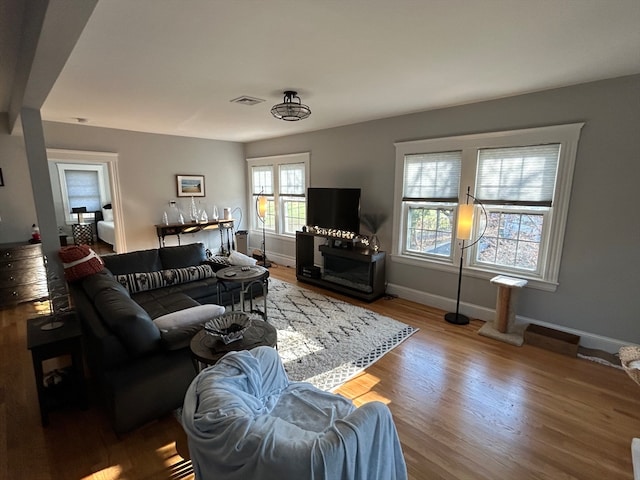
column 373, row 222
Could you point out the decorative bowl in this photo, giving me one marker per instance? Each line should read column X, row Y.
column 228, row 327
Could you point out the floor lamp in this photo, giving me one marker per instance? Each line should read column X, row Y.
column 463, row 233
column 261, row 209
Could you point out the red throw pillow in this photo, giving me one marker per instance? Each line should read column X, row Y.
column 79, row 261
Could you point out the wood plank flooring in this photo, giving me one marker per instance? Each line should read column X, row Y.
column 466, row 407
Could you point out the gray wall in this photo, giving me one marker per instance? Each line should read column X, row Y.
column 147, row 165
column 17, row 208
column 600, row 270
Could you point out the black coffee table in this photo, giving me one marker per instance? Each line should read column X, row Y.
column 246, row 277
column 207, row 350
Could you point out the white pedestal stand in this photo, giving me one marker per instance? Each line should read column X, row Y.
column 504, row 327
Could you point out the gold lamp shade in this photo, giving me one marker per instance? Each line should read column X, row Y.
column 465, row 221
column 262, row 206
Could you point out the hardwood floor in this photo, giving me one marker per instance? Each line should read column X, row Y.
column 466, row 407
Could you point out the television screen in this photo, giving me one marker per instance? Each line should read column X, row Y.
column 337, row 208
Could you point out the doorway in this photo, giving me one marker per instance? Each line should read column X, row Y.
column 88, row 179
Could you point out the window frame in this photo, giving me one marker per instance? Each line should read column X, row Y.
column 478, row 222
column 406, row 207
column 429, row 197
column 567, row 135
column 276, row 197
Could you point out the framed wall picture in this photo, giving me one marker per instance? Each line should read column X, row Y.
column 190, row 185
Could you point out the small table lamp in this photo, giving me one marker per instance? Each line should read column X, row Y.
column 79, row 211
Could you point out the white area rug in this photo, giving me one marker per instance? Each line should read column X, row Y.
column 326, row 341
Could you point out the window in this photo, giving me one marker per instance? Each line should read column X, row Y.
column 523, row 180
column 292, row 189
column 262, row 181
column 82, row 186
column 431, row 183
column 283, row 180
column 516, row 184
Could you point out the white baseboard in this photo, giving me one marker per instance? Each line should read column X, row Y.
column 447, row 304
column 284, row 260
column 588, row 340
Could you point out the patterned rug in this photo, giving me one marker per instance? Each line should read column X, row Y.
column 326, row 341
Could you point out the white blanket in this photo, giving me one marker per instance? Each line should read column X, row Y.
column 244, row 419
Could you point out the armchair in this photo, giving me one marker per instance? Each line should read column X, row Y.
column 244, row 419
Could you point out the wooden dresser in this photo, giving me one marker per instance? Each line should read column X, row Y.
column 22, row 273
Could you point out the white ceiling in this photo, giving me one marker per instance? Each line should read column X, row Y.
column 172, row 66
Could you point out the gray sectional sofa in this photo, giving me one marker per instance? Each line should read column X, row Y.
column 140, row 371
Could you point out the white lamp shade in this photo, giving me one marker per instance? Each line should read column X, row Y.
column 465, row 221
column 262, row 206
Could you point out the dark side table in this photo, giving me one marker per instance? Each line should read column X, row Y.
column 82, row 234
column 246, row 277
column 207, row 350
column 46, row 344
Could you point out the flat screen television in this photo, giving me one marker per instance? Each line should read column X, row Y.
column 337, row 208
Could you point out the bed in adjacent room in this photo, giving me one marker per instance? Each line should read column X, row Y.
column 105, row 225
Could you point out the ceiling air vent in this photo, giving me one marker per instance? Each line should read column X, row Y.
column 247, row 100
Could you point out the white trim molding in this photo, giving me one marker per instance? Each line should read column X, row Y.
column 546, row 276
column 587, row 339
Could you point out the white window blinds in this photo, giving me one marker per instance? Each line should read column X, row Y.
column 83, row 189
column 432, row 176
column 262, row 180
column 517, row 175
column 292, row 179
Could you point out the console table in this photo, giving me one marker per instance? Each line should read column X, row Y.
column 224, row 226
column 358, row 272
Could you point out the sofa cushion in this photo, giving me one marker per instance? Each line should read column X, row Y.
column 218, row 260
column 142, row 281
column 187, row 317
column 201, row 291
column 161, row 302
column 140, row 261
column 240, row 259
column 178, row 328
column 182, row 256
column 79, row 261
column 93, row 284
column 128, row 320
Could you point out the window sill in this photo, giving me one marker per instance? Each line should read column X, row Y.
column 473, row 272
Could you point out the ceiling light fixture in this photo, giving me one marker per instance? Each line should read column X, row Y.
column 291, row 110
